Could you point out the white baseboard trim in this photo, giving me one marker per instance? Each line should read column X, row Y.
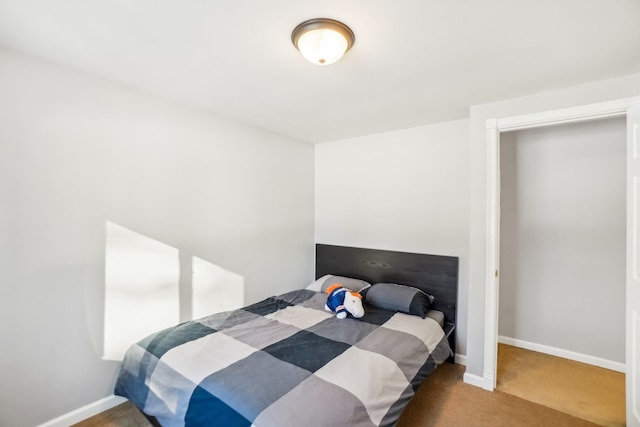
column 85, row 412
column 461, row 359
column 566, row 354
column 475, row 380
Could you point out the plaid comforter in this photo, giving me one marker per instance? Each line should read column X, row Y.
column 284, row 361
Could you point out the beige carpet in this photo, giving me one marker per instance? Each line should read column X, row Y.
column 443, row 400
column 124, row 415
column 582, row 390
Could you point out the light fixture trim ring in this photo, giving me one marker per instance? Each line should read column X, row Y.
column 323, row 23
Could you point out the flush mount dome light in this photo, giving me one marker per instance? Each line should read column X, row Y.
column 322, row 41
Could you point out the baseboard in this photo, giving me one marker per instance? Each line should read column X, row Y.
column 566, row 354
column 485, row 381
column 85, row 412
column 475, row 380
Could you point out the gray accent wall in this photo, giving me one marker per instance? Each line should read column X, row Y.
column 76, row 151
column 562, row 241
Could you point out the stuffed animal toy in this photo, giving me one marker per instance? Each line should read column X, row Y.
column 342, row 300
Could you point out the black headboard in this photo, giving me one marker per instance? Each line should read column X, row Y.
column 434, row 274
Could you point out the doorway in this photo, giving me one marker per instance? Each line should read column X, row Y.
column 562, row 240
column 629, row 108
column 562, row 267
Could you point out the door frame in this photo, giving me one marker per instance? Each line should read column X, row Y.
column 494, row 127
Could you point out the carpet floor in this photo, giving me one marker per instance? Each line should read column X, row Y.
column 575, row 388
column 443, row 400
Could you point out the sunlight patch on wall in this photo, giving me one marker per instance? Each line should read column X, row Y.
column 214, row 289
column 141, row 288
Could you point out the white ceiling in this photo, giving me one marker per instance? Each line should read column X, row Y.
column 414, row 62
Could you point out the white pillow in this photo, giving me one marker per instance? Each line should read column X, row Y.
column 316, row 286
column 356, row 285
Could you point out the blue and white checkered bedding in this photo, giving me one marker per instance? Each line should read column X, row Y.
column 284, row 361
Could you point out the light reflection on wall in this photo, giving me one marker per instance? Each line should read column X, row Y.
column 141, row 288
column 214, row 289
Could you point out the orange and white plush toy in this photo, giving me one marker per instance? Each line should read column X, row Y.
column 343, row 301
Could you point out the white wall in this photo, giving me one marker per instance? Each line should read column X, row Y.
column 563, row 237
column 606, row 90
column 76, row 151
column 405, row 190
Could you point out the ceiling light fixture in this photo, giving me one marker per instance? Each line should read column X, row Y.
column 322, row 41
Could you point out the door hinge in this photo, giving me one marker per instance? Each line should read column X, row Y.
column 496, row 273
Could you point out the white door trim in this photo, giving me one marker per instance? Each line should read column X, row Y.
column 633, row 267
column 494, row 128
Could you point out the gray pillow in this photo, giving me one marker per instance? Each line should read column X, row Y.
column 400, row 298
column 355, row 285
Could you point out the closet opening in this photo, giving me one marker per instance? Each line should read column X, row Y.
column 562, row 249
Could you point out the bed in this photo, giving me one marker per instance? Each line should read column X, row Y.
column 286, row 361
